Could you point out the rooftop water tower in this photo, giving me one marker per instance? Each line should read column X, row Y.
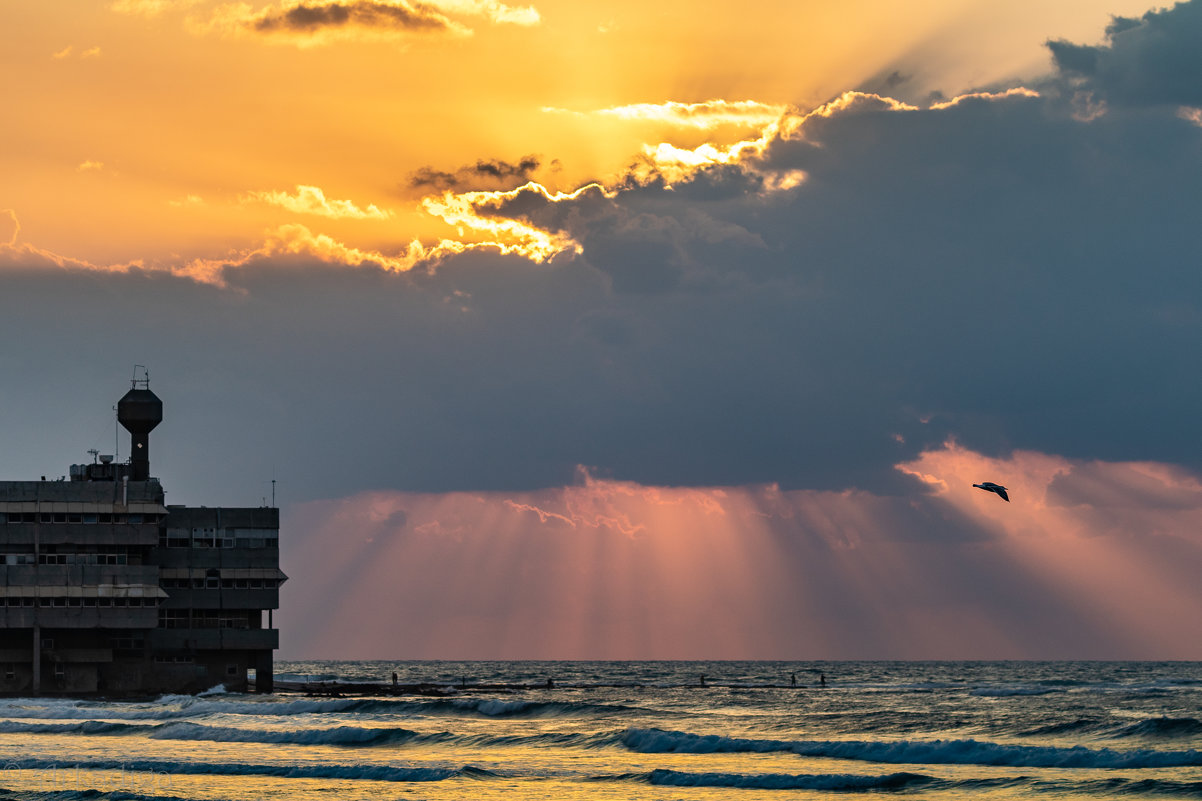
column 139, row 411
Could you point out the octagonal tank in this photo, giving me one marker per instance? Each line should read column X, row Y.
column 139, row 411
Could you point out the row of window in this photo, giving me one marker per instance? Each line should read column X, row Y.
column 218, row 542
column 73, row 559
column 13, row 601
column 112, row 558
column 10, row 671
column 174, row 659
column 103, row 518
column 198, row 619
column 216, row 583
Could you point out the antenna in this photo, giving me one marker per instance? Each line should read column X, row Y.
column 94, row 454
column 144, row 380
column 273, row 493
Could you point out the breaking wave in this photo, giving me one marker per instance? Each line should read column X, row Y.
column 1161, row 727
column 785, row 781
column 100, row 727
column 340, row 735
column 935, row 752
column 1007, row 692
column 174, row 707
column 379, row 773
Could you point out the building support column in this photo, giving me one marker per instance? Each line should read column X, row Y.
column 37, row 659
column 264, row 672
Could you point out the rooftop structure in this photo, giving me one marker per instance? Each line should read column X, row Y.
column 104, row 589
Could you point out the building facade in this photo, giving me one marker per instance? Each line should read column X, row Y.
column 106, row 590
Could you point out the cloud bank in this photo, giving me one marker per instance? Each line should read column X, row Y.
column 785, row 341
column 808, row 306
column 1147, row 60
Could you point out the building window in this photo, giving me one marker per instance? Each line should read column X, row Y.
column 231, row 670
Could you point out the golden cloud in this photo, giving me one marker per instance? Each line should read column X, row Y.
column 497, row 13
column 705, row 116
column 467, row 211
column 311, row 200
column 15, row 227
column 1019, row 91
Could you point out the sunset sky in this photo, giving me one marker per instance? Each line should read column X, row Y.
column 628, row 330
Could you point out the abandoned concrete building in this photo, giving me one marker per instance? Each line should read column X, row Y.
column 105, row 590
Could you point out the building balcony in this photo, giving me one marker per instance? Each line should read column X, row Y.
column 213, row 639
column 221, row 599
column 79, row 617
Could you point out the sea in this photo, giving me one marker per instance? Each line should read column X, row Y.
column 631, row 730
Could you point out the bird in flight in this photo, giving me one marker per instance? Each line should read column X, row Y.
column 989, row 486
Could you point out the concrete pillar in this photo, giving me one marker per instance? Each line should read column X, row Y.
column 264, row 672
column 37, row 659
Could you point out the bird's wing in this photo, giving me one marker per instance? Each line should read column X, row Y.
column 1002, row 491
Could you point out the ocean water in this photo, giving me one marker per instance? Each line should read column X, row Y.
column 634, row 730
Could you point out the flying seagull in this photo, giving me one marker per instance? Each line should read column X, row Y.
column 989, row 486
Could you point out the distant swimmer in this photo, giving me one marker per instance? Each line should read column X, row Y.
column 989, row 486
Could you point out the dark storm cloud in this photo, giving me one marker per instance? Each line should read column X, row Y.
column 484, row 174
column 1153, row 59
column 996, row 270
column 314, row 17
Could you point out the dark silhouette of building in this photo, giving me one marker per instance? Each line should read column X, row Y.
column 104, row 589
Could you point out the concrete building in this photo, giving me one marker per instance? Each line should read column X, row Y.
column 104, row 589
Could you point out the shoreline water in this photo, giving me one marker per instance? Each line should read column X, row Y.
column 635, row 731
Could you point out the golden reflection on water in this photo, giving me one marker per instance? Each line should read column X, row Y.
column 575, row 743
